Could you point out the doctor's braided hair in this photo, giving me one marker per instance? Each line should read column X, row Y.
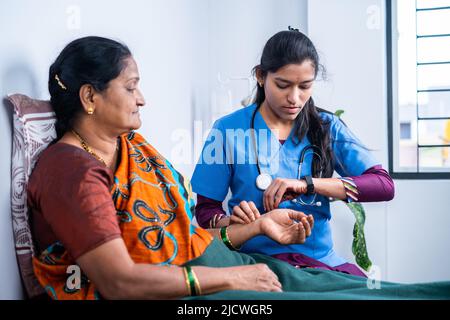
column 89, row 60
column 293, row 47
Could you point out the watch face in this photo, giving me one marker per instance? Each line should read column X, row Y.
column 263, row 181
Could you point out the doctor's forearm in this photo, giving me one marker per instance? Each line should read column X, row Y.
column 330, row 187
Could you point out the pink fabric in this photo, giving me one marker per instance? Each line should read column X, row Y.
column 205, row 210
column 375, row 184
column 299, row 260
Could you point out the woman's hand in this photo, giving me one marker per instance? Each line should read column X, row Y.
column 244, row 213
column 282, row 189
column 286, row 226
column 257, row 277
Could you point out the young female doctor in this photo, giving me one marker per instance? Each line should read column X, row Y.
column 281, row 152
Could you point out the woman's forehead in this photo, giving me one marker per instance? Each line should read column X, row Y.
column 130, row 69
column 296, row 72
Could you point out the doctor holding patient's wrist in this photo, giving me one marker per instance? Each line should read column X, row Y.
column 282, row 152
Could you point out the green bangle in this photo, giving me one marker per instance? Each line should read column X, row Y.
column 226, row 239
column 191, row 279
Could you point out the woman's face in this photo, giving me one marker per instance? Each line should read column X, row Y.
column 288, row 89
column 117, row 107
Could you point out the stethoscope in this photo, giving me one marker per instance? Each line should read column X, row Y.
column 263, row 180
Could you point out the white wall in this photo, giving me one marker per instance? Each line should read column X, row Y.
column 160, row 33
column 236, row 33
column 408, row 238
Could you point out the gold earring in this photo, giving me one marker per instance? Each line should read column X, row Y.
column 261, row 84
column 90, row 110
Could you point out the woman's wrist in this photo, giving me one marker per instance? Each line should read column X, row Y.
column 223, row 222
column 229, row 278
column 213, row 280
column 240, row 233
column 256, row 227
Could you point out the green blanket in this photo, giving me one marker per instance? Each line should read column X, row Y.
column 312, row 283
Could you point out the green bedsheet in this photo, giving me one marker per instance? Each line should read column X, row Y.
column 312, row 283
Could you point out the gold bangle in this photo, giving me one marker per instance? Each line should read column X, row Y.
column 228, row 237
column 197, row 284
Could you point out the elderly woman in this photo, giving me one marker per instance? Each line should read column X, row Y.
column 104, row 199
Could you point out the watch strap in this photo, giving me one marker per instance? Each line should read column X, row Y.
column 309, row 185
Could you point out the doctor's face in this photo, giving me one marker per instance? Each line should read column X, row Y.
column 288, row 89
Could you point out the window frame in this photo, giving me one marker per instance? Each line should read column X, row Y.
column 390, row 106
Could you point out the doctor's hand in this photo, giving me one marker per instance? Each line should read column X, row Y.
column 282, row 189
column 286, row 226
column 244, row 213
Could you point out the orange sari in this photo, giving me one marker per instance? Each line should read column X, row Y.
column 155, row 210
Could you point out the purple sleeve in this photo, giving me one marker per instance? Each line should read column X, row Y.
column 375, row 184
column 208, row 212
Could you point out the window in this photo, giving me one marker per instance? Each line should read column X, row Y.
column 418, row 44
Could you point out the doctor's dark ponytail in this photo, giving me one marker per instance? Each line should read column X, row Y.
column 293, row 47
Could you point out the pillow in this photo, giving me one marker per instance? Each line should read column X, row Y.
column 33, row 130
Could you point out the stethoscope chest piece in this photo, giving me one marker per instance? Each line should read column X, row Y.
column 263, row 181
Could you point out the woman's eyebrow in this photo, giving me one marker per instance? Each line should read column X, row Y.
column 133, row 78
column 290, row 82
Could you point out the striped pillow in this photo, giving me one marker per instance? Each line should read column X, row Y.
column 34, row 128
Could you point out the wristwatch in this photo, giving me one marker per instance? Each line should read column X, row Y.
column 309, row 185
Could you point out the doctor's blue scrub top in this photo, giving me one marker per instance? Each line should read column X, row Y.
column 228, row 161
